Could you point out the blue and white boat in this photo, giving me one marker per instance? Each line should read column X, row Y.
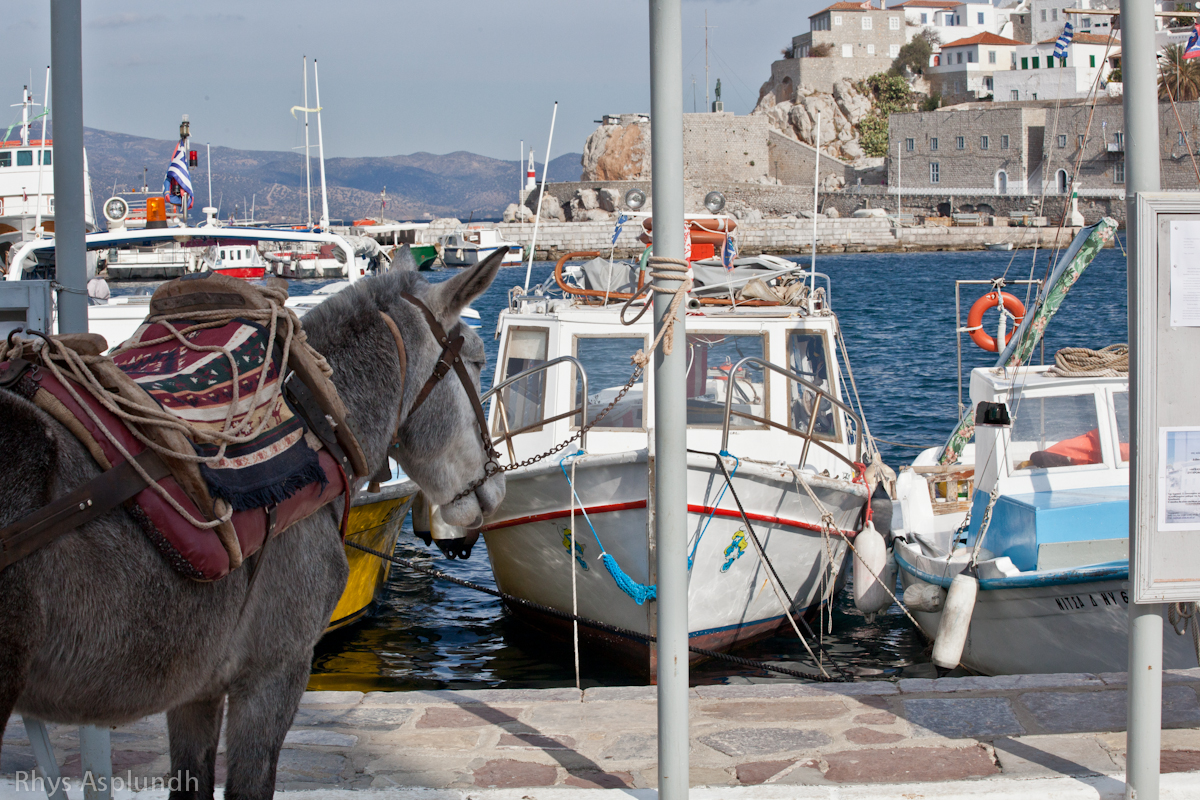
column 1041, row 506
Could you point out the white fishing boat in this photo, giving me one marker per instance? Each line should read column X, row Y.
column 766, row 404
column 465, row 247
column 1036, row 509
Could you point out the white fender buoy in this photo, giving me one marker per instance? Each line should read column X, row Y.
column 956, row 621
column 421, row 514
column 440, row 529
column 871, row 559
column 927, row 597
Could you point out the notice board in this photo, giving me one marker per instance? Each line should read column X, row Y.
column 1164, row 323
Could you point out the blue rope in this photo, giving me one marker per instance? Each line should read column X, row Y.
column 639, row 592
column 736, row 463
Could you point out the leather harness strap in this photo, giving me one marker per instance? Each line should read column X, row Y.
column 98, row 496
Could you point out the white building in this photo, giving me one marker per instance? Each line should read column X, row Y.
column 966, row 69
column 1037, row 75
column 954, row 20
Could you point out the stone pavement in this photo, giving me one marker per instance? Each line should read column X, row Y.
column 968, row 735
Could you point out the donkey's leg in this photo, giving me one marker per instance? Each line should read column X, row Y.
column 194, row 730
column 20, row 630
column 262, row 705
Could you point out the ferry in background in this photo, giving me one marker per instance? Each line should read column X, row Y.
column 464, row 248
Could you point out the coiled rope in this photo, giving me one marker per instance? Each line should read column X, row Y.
column 1081, row 362
column 662, row 268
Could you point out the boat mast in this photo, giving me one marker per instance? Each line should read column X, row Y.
column 541, row 196
column 37, row 219
column 307, row 160
column 520, row 178
column 321, row 151
column 812, row 268
column 208, row 145
column 26, row 102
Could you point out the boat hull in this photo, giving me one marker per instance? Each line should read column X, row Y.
column 469, row 256
column 1066, row 624
column 247, row 273
column 730, row 601
column 375, row 525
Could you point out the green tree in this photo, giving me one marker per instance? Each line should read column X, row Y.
column 916, row 54
column 1178, row 77
column 889, row 94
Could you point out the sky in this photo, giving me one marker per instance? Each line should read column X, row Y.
column 396, row 76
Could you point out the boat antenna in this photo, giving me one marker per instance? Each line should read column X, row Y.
column 812, row 269
column 208, row 145
column 37, row 220
column 321, row 151
column 307, row 160
column 541, row 196
column 520, row 178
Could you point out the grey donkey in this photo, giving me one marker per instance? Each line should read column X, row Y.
column 97, row 628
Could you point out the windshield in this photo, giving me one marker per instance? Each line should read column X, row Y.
column 808, row 356
column 524, row 400
column 1057, row 431
column 607, row 362
column 710, row 360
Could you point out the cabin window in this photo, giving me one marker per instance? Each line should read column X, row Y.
column 606, row 360
column 523, row 402
column 1060, row 431
column 1121, row 409
column 711, row 358
column 808, row 357
column 222, row 255
column 5, row 159
column 24, row 158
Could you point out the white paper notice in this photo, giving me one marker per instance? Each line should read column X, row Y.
column 1179, row 479
column 1185, row 274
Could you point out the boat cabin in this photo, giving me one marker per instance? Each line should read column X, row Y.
column 1061, row 468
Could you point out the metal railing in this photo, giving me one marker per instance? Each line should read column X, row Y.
column 807, row 435
column 508, row 435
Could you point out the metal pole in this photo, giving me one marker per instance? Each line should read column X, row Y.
column 1141, row 175
column 537, row 217
column 670, row 426
column 350, row 269
column 812, row 267
column 70, row 247
column 37, row 219
column 307, row 160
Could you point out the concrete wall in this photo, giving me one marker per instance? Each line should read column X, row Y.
column 724, row 147
column 1051, row 207
column 792, row 162
column 819, row 74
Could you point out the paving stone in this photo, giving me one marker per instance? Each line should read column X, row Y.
column 905, row 764
column 472, row 697
column 1047, row 756
column 756, row 772
column 590, row 779
column 610, row 694
column 961, row 717
column 591, row 716
column 536, row 741
column 629, row 746
column 802, row 773
column 768, row 711
column 122, row 760
column 16, row 759
column 473, row 716
column 1063, row 712
column 871, row 736
column 710, row 776
column 156, row 723
column 331, row 698
column 327, row 738
column 14, row 731
column 996, row 683
column 445, row 740
column 1181, row 675
column 779, row 690
column 365, row 718
column 310, row 766
column 509, row 773
column 762, row 741
column 1179, row 761
column 876, row 718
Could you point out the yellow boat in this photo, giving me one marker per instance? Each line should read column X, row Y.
column 375, row 521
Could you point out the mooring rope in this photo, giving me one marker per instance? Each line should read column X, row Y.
column 1082, row 362
column 667, row 269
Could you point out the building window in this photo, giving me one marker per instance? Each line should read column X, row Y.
column 1016, row 95
column 909, row 145
column 1119, row 138
column 960, row 143
column 1035, row 95
column 1091, row 61
column 847, row 51
column 837, row 20
column 894, row 23
column 1118, row 172
column 1062, row 62
column 1004, row 141
column 1024, row 65
column 960, row 56
column 1062, row 140
column 979, row 18
column 866, row 23
column 933, row 143
column 1084, row 24
column 1182, row 141
column 1079, row 141
column 6, row 159
column 924, row 19
column 893, row 50
column 935, row 173
column 1037, row 62
column 970, row 56
column 991, row 56
column 1054, row 15
column 1043, row 15
column 983, row 143
column 987, row 83
column 870, row 49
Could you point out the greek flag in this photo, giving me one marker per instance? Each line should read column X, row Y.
column 178, row 181
column 1192, row 48
column 621, row 220
column 729, row 251
column 1064, row 41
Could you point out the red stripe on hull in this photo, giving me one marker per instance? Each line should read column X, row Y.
column 248, row 273
column 591, row 510
column 791, row 523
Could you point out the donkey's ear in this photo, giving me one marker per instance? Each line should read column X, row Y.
column 403, row 260
column 452, row 296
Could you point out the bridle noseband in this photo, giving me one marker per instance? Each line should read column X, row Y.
column 450, row 359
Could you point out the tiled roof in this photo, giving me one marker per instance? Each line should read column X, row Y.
column 983, row 38
column 926, row 4
column 1085, row 38
column 846, row 7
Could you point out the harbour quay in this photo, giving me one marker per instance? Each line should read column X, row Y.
column 1059, row 736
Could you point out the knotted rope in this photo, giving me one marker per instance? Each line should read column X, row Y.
column 1081, row 362
column 667, row 269
column 141, row 413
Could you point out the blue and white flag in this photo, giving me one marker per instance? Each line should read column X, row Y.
column 621, row 220
column 178, row 181
column 1064, row 41
column 1192, row 48
column 729, row 251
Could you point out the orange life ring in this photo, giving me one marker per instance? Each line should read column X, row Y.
column 992, row 300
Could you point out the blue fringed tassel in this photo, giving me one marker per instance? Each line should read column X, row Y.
column 628, row 585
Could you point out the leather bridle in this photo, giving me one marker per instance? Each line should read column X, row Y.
column 449, row 359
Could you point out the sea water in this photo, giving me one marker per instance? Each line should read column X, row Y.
column 898, row 318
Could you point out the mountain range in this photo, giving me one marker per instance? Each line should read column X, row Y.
column 420, row 186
